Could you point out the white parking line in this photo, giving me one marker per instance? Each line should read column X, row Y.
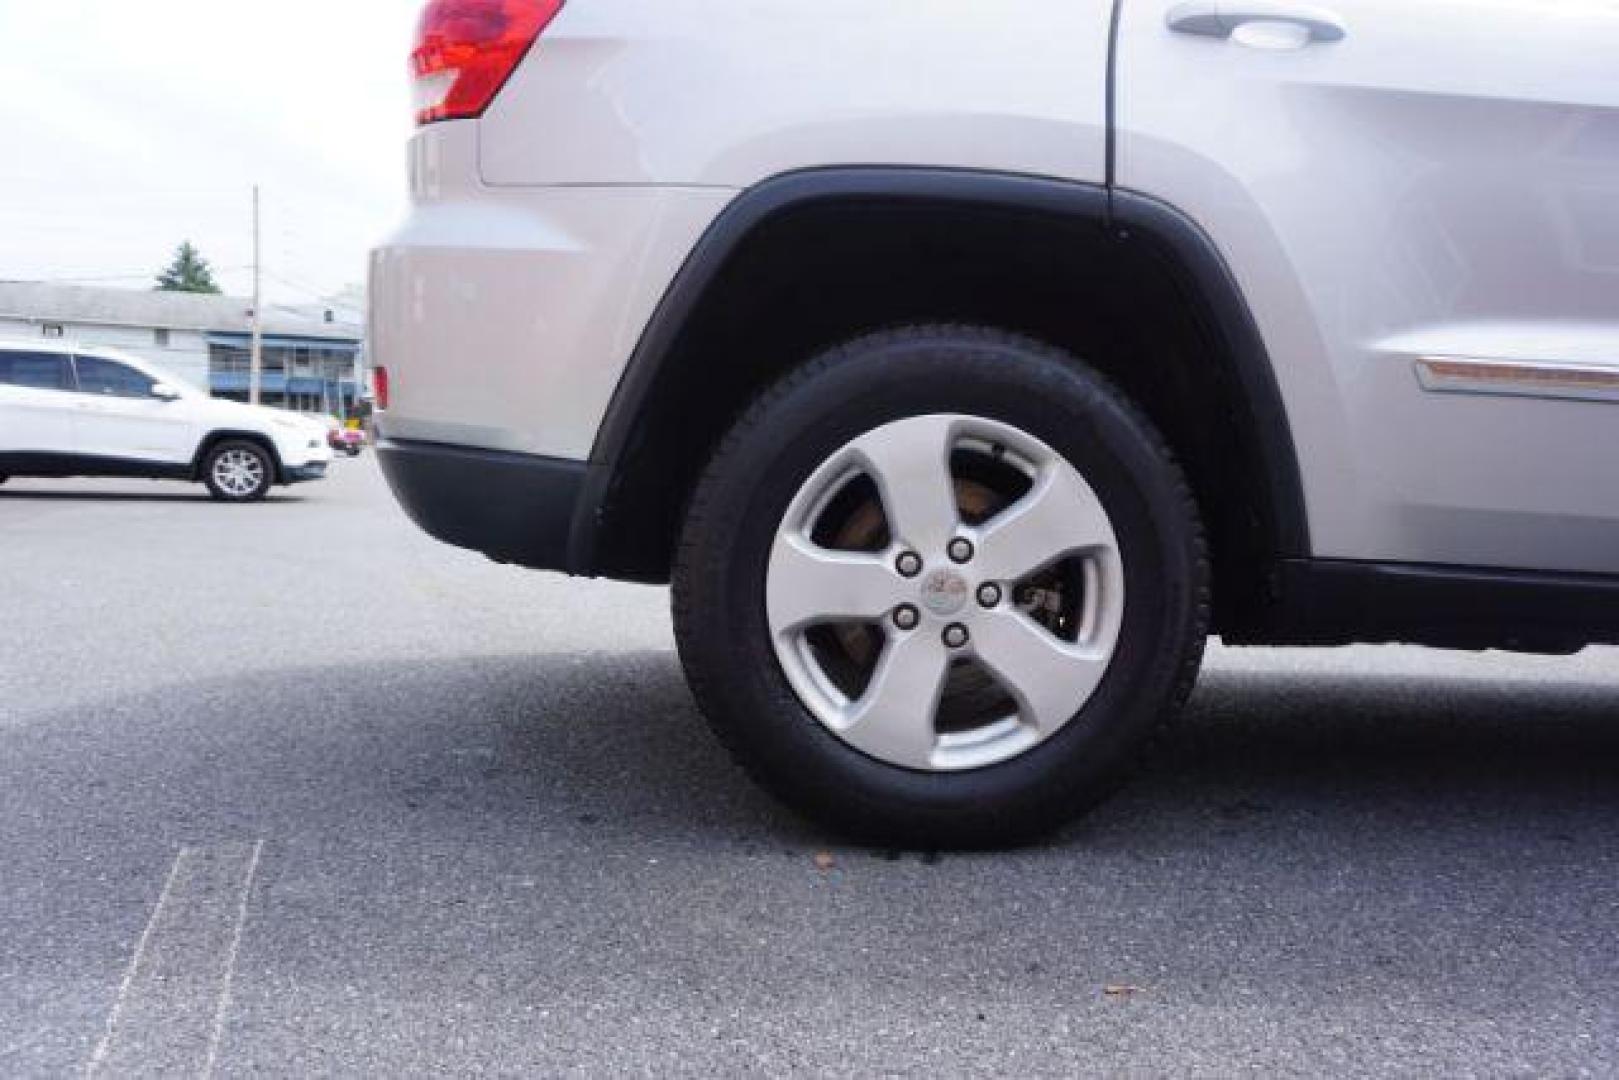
column 117, row 1013
column 223, row 1011
column 174, row 1001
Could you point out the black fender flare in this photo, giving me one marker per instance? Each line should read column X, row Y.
column 214, row 438
column 1130, row 218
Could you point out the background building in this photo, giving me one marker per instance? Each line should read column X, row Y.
column 312, row 356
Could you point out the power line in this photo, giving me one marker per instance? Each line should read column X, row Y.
column 307, row 290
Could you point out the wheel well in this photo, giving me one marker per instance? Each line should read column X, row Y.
column 811, row 275
column 214, row 438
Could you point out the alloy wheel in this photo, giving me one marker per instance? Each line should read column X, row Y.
column 239, row 473
column 945, row 593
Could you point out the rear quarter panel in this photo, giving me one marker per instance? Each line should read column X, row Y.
column 730, row 92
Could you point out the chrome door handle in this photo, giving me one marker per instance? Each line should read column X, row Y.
column 1223, row 18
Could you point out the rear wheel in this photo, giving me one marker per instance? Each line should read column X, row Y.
column 940, row 587
column 238, row 471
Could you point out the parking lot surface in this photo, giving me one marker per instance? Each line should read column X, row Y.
column 291, row 788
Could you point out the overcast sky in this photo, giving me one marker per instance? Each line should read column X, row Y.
column 130, row 126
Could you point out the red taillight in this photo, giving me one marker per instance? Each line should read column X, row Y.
column 467, row 49
column 379, row 383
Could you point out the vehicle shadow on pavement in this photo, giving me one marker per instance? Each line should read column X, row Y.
column 556, row 836
column 102, row 496
column 487, row 744
column 199, row 496
column 1335, row 755
column 613, row 742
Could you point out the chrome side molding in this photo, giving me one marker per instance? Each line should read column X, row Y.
column 1519, row 378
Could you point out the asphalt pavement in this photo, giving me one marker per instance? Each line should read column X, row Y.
column 292, row 789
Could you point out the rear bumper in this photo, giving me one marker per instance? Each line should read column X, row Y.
column 505, row 315
column 514, row 508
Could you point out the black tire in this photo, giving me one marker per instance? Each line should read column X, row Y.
column 719, row 585
column 223, row 493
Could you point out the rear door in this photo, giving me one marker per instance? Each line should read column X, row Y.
column 1420, row 199
column 36, row 403
column 119, row 418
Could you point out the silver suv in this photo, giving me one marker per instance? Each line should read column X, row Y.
column 965, row 365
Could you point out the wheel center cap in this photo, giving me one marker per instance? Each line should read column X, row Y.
column 944, row 592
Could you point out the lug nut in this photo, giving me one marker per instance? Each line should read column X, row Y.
column 909, row 564
column 989, row 595
column 906, row 617
column 956, row 636
column 961, row 551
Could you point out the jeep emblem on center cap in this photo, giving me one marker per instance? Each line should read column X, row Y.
column 944, row 592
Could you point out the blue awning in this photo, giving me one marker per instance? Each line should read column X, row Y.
column 281, row 341
column 275, row 382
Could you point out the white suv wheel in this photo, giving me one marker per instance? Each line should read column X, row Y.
column 238, row 472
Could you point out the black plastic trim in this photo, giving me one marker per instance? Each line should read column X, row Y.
column 514, row 508
column 56, row 466
column 1191, row 254
column 1327, row 602
column 1139, row 220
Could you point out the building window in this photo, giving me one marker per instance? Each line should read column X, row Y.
column 160, row 337
column 52, row 329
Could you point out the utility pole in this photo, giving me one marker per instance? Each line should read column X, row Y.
column 256, row 365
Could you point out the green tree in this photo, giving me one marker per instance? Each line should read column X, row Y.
column 189, row 272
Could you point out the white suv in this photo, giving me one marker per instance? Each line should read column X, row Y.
column 965, row 365
column 76, row 411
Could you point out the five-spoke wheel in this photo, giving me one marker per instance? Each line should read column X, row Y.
column 995, row 569
column 940, row 586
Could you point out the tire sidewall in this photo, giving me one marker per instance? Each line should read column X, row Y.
column 867, row 385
